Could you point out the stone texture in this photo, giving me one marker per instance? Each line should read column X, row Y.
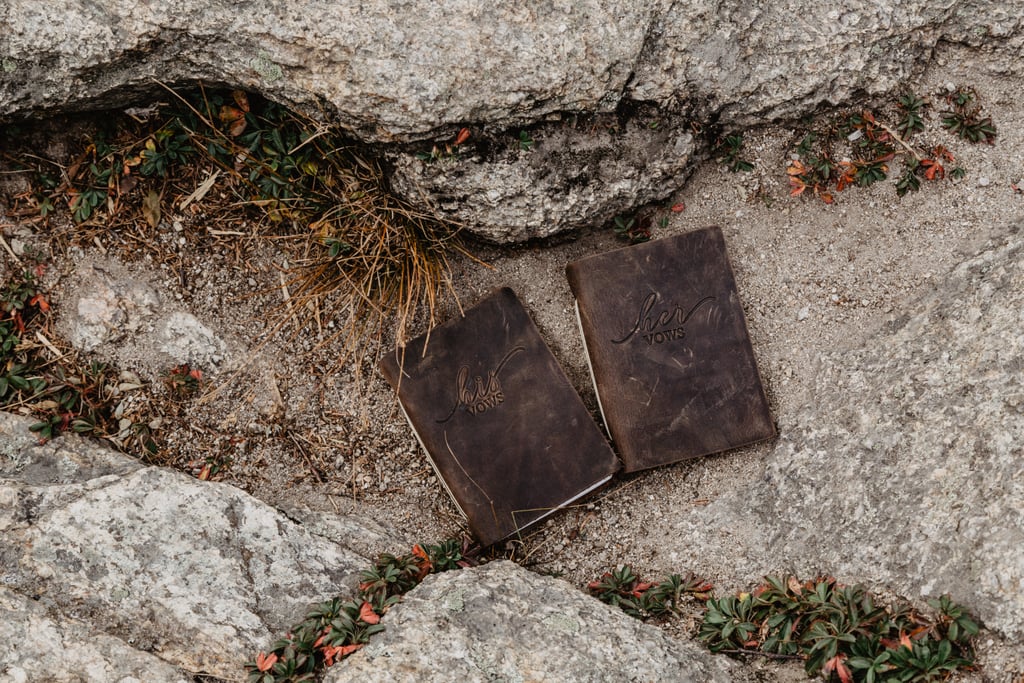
column 406, row 70
column 387, row 69
column 400, row 72
column 573, row 176
column 905, row 469
column 500, row 622
column 107, row 308
column 198, row 573
column 741, row 63
column 186, row 340
column 116, row 311
column 35, row 646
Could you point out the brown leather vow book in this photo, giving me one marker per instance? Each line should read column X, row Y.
column 669, row 354
column 506, row 432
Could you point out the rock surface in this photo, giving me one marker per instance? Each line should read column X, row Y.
column 37, row 646
column 570, row 176
column 198, row 573
column 390, row 71
column 500, row 622
column 905, row 470
column 404, row 72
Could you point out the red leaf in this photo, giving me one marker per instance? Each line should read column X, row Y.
column 678, row 208
column 264, row 661
column 424, row 560
column 462, row 136
column 234, row 117
column 241, row 99
column 367, row 614
column 40, row 301
column 836, row 664
column 334, row 653
column 933, row 169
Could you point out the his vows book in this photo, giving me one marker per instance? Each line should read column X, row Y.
column 506, row 432
column 668, row 348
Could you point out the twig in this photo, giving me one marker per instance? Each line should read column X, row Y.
column 10, row 251
column 900, row 140
column 305, row 455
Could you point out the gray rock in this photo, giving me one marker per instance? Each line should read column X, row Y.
column 904, row 470
column 399, row 72
column 387, row 70
column 198, row 573
column 409, row 70
column 185, row 339
column 106, row 308
column 117, row 312
column 572, row 177
column 37, row 647
column 500, row 622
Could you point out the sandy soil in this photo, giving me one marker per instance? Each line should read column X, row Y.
column 298, row 430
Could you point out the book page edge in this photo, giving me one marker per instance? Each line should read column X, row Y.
column 590, row 367
column 433, row 464
column 561, row 506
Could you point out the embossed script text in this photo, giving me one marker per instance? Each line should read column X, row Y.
column 479, row 394
column 662, row 325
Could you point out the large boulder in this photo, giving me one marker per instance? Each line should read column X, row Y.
column 905, row 469
column 36, row 645
column 408, row 70
column 200, row 574
column 569, row 176
column 500, row 622
column 401, row 72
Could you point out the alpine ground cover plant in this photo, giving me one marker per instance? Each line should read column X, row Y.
column 860, row 149
column 336, row 628
column 835, row 630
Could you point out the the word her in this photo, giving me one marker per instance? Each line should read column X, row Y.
column 667, row 324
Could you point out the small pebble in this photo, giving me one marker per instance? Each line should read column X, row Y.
column 803, row 313
column 983, row 181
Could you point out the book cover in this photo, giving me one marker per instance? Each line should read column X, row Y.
column 505, row 430
column 668, row 348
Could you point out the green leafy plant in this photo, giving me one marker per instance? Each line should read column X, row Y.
column 912, row 109
column 728, row 150
column 334, row 629
column 622, row 588
column 965, row 119
column 167, row 147
column 838, row 631
column 525, row 141
column 184, row 380
column 636, row 229
column 873, row 145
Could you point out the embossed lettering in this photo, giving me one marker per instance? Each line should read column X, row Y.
column 653, row 326
column 479, row 394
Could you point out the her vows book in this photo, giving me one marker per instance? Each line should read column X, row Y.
column 505, row 430
column 668, row 348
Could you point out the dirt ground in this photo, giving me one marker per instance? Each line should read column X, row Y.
column 291, row 427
